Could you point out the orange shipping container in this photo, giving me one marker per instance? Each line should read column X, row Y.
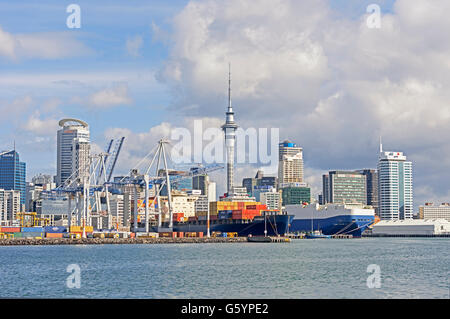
column 54, row 235
column 200, row 234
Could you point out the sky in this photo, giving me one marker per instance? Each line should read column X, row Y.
column 315, row 70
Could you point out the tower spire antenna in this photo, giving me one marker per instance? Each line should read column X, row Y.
column 381, row 146
column 229, row 129
column 229, row 85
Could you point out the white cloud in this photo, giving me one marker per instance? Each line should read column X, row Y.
column 137, row 145
column 44, row 45
column 331, row 84
column 13, row 111
column 41, row 127
column 134, row 46
column 7, row 44
column 108, row 97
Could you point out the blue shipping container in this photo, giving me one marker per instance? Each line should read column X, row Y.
column 32, row 234
column 32, row 229
column 55, row 229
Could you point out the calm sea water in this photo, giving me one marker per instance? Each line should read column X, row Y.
column 409, row 268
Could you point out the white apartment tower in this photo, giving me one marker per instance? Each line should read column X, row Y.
column 73, row 147
column 290, row 165
column 9, row 206
column 395, row 194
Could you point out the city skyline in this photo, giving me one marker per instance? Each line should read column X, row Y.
column 157, row 82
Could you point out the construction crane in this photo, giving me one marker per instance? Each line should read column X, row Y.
column 137, row 180
column 86, row 183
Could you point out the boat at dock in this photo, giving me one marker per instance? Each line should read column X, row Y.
column 276, row 225
column 331, row 219
column 316, row 235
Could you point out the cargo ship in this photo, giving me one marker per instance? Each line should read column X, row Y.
column 276, row 225
column 331, row 219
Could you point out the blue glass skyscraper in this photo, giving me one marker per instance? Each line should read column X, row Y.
column 13, row 173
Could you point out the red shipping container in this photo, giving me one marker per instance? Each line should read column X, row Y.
column 180, row 234
column 10, row 230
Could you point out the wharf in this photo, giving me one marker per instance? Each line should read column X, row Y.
column 105, row 241
column 406, row 235
column 261, row 239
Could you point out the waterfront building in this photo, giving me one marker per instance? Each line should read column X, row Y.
column 296, row 195
column 430, row 211
column 181, row 204
column 320, row 199
column 395, row 189
column 371, row 187
column 259, row 181
column 44, row 180
column 290, row 162
column 201, row 182
column 342, row 187
column 117, row 207
column 258, row 190
column 73, row 147
column 9, row 206
column 272, row 199
column 32, row 197
column 13, row 174
column 408, row 227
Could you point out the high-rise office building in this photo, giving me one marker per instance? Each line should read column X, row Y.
column 293, row 195
column 290, row 163
column 395, row 190
column 73, row 147
column 371, row 187
column 342, row 187
column 13, row 174
column 201, row 182
column 259, row 181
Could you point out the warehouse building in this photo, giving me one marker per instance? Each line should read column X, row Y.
column 412, row 227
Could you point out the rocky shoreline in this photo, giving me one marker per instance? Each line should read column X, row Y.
column 103, row 241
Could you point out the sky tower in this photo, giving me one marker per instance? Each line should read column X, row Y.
column 229, row 128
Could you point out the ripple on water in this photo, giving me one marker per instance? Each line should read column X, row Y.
column 410, row 268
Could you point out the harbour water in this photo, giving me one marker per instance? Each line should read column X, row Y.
column 321, row 268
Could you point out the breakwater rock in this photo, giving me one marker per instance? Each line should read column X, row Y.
column 105, row 241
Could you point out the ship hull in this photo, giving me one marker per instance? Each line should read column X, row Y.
column 276, row 225
column 339, row 225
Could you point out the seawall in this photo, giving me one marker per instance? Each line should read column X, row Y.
column 106, row 241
